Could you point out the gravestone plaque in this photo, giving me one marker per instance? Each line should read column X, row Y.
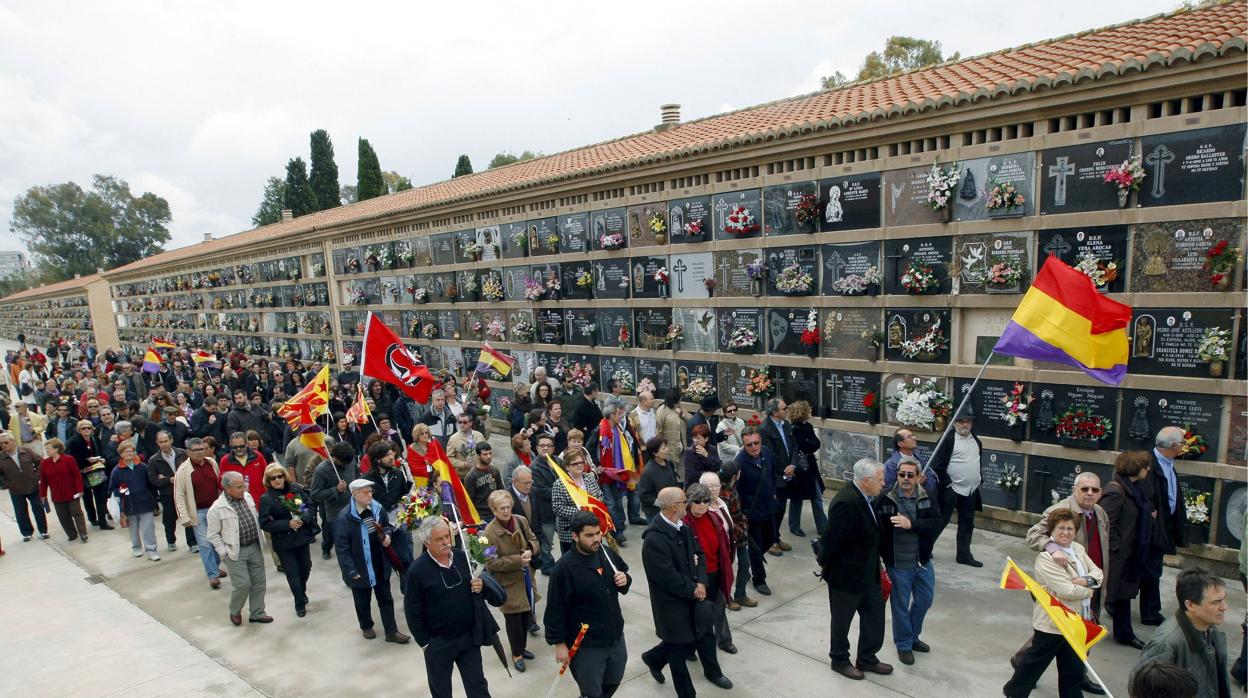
column 622, row 369
column 1164, row 341
column 1191, row 167
column 410, row 324
column 1049, row 480
column 850, row 202
column 843, row 333
column 513, row 282
column 526, row 361
column 737, row 215
column 980, row 175
column 515, row 239
column 610, row 321
column 905, row 197
column 841, row 449
column 689, row 273
column 699, row 327
column 608, row 221
column 448, row 323
column 514, row 318
column 1052, row 401
column 935, row 253
column 642, row 277
column 491, row 245
column 1237, row 439
column 1100, row 245
column 689, row 220
column 464, row 238
column 469, row 285
column 781, row 258
column 695, row 374
column 428, row 318
column 549, row 326
column 729, row 319
column 658, row 371
column 471, row 354
column 574, row 232
column 996, row 464
column 553, row 362
column 422, row 252
column 902, row 325
column 496, row 325
column 798, row 383
column 978, row 253
column 443, row 248
column 640, row 221
column 372, row 290
column 453, row 360
column 544, row 237
column 730, row 273
column 734, row 381
column 844, row 266
column 611, row 278
column 581, row 368
column 781, row 204
column 1192, row 486
column 497, row 398
column 1072, row 178
column 473, row 325
column 1234, row 506
column 442, row 283
column 843, row 393
column 577, row 279
column 1171, row 256
column 1145, row 412
column 580, row 326
column 431, row 356
column 340, row 261
column 548, row 273
column 988, row 403
column 784, row 330
column 650, row 327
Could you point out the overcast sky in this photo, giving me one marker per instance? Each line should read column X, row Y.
column 201, row 102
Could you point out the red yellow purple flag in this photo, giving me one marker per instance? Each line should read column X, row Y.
column 468, row 515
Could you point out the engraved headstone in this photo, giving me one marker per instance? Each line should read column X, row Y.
column 463, row 239
column 1171, row 256
column 640, row 221
column 650, row 327
column 544, row 238
column 611, row 278
column 850, row 202
column 581, row 326
column 906, row 328
column 1053, row 400
column 843, row 330
column 1192, row 167
column 1049, row 480
column 642, row 277
column 546, row 273
column 443, row 248
column 905, row 197
column 795, row 383
column 549, row 326
column 699, row 327
column 448, row 323
column 784, row 330
column 488, row 238
column 1145, row 412
column 422, row 252
column 781, row 204
column 1237, row 439
column 605, row 223
column 610, row 320
column 619, row 368
column 978, row 253
column 573, row 232
column 1233, row 507
column 734, row 381
column 730, row 273
column 691, row 374
column 981, row 175
column 737, row 215
column 658, row 371
column 689, row 220
column 934, row 252
column 1101, row 245
column 844, row 393
column 578, row 280
column 844, row 266
column 515, row 239
column 1164, row 341
column 989, row 405
column 841, row 449
column 729, row 319
column 689, row 272
column 1073, row 177
column 805, row 259
column 995, row 464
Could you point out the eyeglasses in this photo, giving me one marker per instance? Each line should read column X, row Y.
column 1090, row 489
column 731, row 411
column 699, row 501
column 749, row 444
column 277, row 477
column 906, row 476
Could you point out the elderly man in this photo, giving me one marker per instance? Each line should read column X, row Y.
column 643, row 419
column 361, row 534
column 196, row 487
column 1191, row 638
column 909, row 521
column 958, row 463
column 329, row 489
column 676, row 577
column 27, row 427
column 440, row 419
column 849, row 562
column 1169, row 532
column 461, row 447
column 620, row 459
column 544, row 479
column 757, row 492
column 162, row 467
column 19, row 474
column 778, row 436
column 539, row 377
column 234, row 532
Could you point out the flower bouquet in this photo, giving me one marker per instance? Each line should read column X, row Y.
column 1220, row 262
column 699, row 388
column 674, row 335
column 658, row 227
column 580, row 374
column 294, row 505
column 1101, row 273
column 693, row 228
column 385, row 257
column 1004, row 197
column 1126, row 177
column 497, row 329
column 611, row 241
column 479, row 550
column 429, row 330
column 926, row 347
column 662, row 276
column 522, row 329
column 358, row 297
column 710, row 287
column 553, row 286
column 759, row 383
column 1079, row 428
column 552, row 242
column 520, row 240
column 1194, row 445
column 491, row 289
column 1197, row 504
column 1016, row 405
column 742, row 339
column 419, row 504
column 859, row 284
column 1004, row 274
column 810, row 335
column 645, row 385
column 584, row 278
column 1215, row 348
column 871, row 403
column 1010, row 481
column 940, row 185
column 534, row 289
column 757, row 271
column 625, row 338
column 875, row 338
column 919, row 279
column 590, row 332
column 807, row 210
column 793, row 280
column 624, row 379
column 473, row 251
column 921, row 404
column 740, row 221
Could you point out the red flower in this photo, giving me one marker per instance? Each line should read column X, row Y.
column 290, row 495
column 868, row 400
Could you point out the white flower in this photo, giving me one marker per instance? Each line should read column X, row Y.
column 483, row 540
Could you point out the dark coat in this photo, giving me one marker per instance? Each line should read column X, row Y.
column 781, row 456
column 756, row 486
column 349, row 545
column 139, row 498
column 583, row 414
column 1170, row 530
column 1124, row 525
column 927, row 524
column 696, row 464
column 939, row 463
column 849, row 546
column 157, row 466
column 808, row 483
column 674, row 567
column 581, row 590
column 275, row 518
column 654, row 478
column 200, row 427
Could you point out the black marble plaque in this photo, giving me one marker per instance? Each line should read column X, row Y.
column 1234, row 506
column 443, row 248
column 844, row 266
column 689, row 371
column 515, row 239
column 642, row 277
column 784, row 330
column 843, row 393
column 728, row 319
column 572, row 273
column 448, row 323
column 995, row 464
column 641, row 220
column 795, row 383
column 473, row 325
column 934, row 252
column 781, row 204
column 689, row 220
column 513, row 282
column 1049, row 480
column 545, row 273
column 841, row 449
column 734, row 379
column 1237, row 439
column 544, row 237
column 611, row 278
column 610, row 321
column 977, row 253
column 650, row 327
column 553, row 362
column 549, row 326
column 1105, row 244
column 464, row 238
column 737, row 215
column 1171, row 256
column 574, row 232
column 340, row 261
column 441, row 286
column 659, row 372
column 619, row 368
column 730, row 273
column 781, row 258
column 1164, row 340
column 1052, row 400
column 1145, row 412
column 1073, row 177
column 1191, row 167
column 580, row 326
column 905, row 197
column 911, row 324
column 699, row 327
column 980, row 175
column 607, row 222
column 843, row 333
column 988, row 403
column 422, row 252
column 850, row 202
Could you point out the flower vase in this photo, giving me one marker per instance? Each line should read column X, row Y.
column 1085, row 444
column 756, row 287
column 873, row 417
column 938, row 424
column 1018, row 432
column 946, row 214
column 872, row 353
column 873, row 289
column 660, row 238
column 1123, row 196
column 1216, row 368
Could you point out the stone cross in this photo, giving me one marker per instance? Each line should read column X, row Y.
column 1057, row 245
column 895, row 259
column 721, row 208
column 835, row 264
column 679, row 269
column 724, row 266
column 1159, row 158
column 1059, row 172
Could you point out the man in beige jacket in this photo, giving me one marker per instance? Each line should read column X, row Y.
column 196, row 486
column 27, row 426
column 234, row 531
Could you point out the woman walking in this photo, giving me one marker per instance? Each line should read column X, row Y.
column 807, row 483
column 287, row 514
column 516, row 546
column 59, row 475
column 86, row 451
column 562, row 502
column 1130, row 515
column 136, row 501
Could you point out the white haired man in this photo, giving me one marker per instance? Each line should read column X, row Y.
column 1162, row 487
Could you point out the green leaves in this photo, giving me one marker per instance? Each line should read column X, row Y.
column 299, row 197
column 369, row 181
column 324, row 178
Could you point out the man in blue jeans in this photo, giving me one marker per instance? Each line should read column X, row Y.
column 909, row 523
column 196, row 485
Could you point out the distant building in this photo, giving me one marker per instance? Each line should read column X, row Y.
column 12, row 262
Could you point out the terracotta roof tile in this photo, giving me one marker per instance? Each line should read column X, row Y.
column 51, row 289
column 1141, row 45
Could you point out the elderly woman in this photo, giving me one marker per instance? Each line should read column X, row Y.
column 711, row 532
column 516, row 546
column 729, row 431
column 735, row 533
column 59, row 476
column 135, row 500
column 701, row 456
column 807, row 484
column 288, row 514
column 1072, row 584
column 562, row 502
column 576, row 444
column 1130, row 515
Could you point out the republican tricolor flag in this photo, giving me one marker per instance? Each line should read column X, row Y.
column 466, row 512
column 1078, row 631
column 162, row 343
column 205, row 359
column 492, row 359
column 151, row 361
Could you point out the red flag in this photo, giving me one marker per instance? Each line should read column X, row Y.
column 386, row 359
column 310, row 435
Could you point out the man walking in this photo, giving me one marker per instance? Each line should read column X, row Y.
column 757, row 491
column 361, row 532
column 778, row 437
column 909, row 522
column 1170, row 524
column 19, row 474
column 196, row 487
column 234, row 532
column 162, row 467
column 959, row 464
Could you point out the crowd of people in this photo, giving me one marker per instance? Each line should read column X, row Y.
column 205, row 450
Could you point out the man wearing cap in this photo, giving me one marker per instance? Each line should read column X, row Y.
column 361, row 534
column 958, row 465
column 234, row 532
column 176, row 430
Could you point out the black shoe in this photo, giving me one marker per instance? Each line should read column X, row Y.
column 798, row 532
column 534, row 629
column 1153, row 620
column 691, row 657
column 721, row 681
column 920, row 646
column 763, row 589
column 105, row 527
column 970, row 562
column 301, row 612
column 1014, row 662
column 1134, row 642
column 527, row 655
column 728, row 648
column 1090, row 686
column 906, row 657
column 324, row 554
column 519, row 665
column 619, row 538
column 655, row 673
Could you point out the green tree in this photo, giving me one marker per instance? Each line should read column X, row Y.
column 16, row 282
column 369, row 182
column 272, row 201
column 463, row 166
column 348, row 195
column 508, row 157
column 900, row 54
column 396, row 182
column 298, row 196
column 71, row 231
column 324, row 177
column 835, row 80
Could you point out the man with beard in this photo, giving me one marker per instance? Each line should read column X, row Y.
column 958, row 465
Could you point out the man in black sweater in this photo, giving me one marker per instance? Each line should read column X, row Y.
column 585, row 588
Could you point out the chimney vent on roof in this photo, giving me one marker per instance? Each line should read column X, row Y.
column 288, row 215
column 670, row 115
column 207, row 237
column 77, row 275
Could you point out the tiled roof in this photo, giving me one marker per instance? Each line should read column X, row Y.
column 1141, row 45
column 51, row 289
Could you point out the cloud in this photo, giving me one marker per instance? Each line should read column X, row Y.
column 251, row 135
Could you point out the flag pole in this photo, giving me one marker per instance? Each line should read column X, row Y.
column 969, row 391
column 1087, row 665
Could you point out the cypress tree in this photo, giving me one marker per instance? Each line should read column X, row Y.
column 463, row 166
column 324, row 178
column 299, row 197
column 369, row 182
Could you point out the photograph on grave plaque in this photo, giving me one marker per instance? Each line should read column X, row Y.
column 696, row 380
column 608, row 229
column 741, row 330
column 689, row 220
column 992, row 418
column 1167, row 341
column 992, row 187
column 697, row 329
column 650, row 328
column 422, row 252
column 544, row 237
column 736, row 215
column 573, row 232
column 994, row 262
column 488, row 239
column 1049, row 480
column 1002, row 474
column 550, row 278
column 845, row 395
column 443, row 248
column 841, row 449
column 784, row 329
column 659, row 373
column 466, row 248
column 851, row 202
column 917, row 334
column 919, row 266
column 1100, row 252
column 1145, row 412
column 650, row 277
column 1191, row 167
column 734, row 381
column 1237, row 439
column 577, row 279
column 622, row 370
column 1172, row 256
column 791, row 208
column 1068, row 415
column 1073, row 177
column 795, row 383
column 732, row 274
column 515, row 239
column 848, row 333
column 905, row 198
column 851, row 269
column 1233, row 508
column 580, row 326
column 610, row 322
column 611, row 278
column 646, row 224
column 690, row 272
column 793, row 271
column 549, row 326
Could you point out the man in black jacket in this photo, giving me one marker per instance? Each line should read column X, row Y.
column 778, row 437
column 1170, row 525
column 909, row 522
column 585, row 588
column 849, row 560
column 208, row 421
column 583, row 412
column 676, row 576
column 162, row 464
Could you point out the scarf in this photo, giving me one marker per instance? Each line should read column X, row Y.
column 1081, row 571
column 1143, row 528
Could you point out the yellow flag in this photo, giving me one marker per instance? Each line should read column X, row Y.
column 1078, row 631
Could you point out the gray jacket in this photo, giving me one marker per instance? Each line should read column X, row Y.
column 1179, row 642
column 324, row 487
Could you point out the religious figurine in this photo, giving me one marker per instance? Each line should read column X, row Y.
column 1045, row 420
column 834, row 212
column 1140, row 430
column 968, row 191
column 1155, row 248
column 1143, row 344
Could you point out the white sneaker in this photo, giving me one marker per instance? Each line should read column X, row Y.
column 194, row 549
column 153, row 556
column 137, row 553
column 172, row 547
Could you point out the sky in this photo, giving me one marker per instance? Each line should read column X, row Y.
column 201, row 102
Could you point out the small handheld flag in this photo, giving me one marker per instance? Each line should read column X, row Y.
column 1078, row 631
column 468, row 515
column 205, row 359
column 359, row 413
column 162, row 343
column 309, row 403
column 151, row 361
column 492, row 359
